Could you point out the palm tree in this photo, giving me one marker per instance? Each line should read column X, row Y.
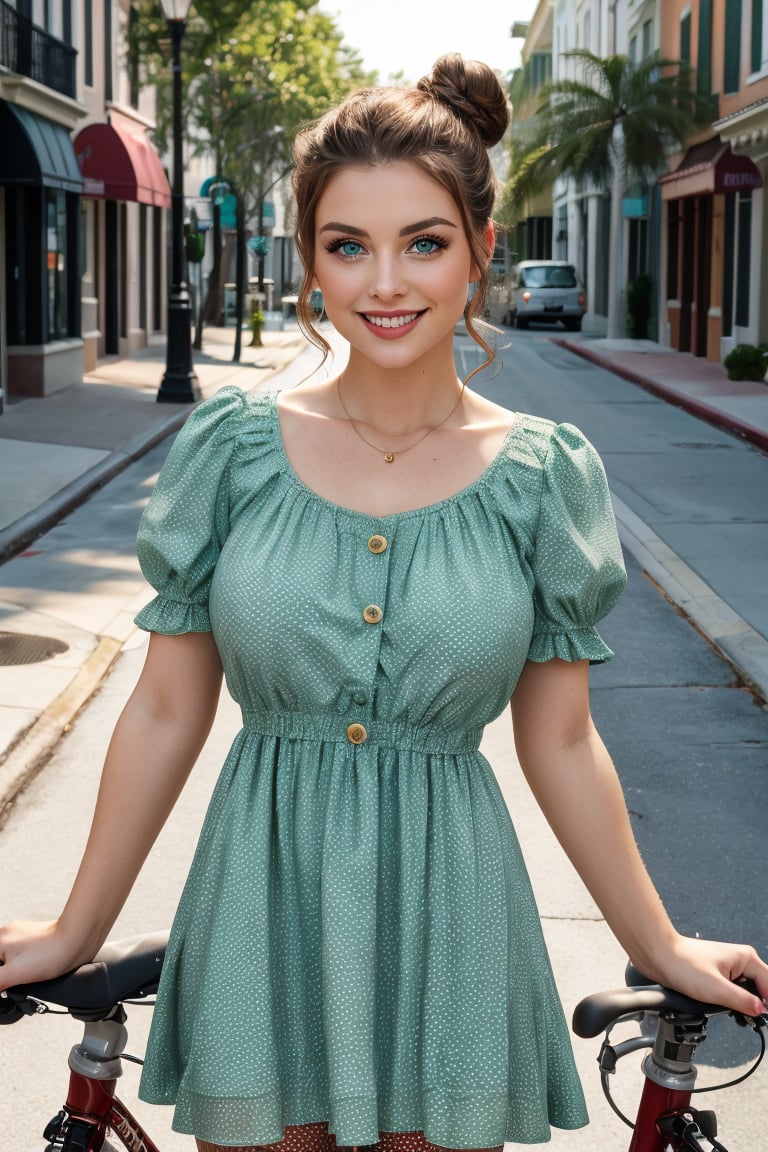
column 614, row 125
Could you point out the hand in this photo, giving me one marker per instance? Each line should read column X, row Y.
column 32, row 951
column 708, row 970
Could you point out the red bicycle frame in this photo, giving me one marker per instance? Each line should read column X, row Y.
column 656, row 1101
column 92, row 1108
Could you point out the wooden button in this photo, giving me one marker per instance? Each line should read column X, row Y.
column 377, row 544
column 372, row 614
column 356, row 734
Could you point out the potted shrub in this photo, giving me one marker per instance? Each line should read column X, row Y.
column 639, row 296
column 747, row 362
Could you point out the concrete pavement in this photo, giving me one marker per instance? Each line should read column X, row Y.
column 55, row 453
column 58, row 451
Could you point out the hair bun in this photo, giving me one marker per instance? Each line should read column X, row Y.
column 472, row 89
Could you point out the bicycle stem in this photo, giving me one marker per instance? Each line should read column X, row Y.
column 669, row 1078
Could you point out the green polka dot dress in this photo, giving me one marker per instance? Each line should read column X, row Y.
column 357, row 941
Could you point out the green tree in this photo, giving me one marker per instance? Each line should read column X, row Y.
column 253, row 74
column 614, row 125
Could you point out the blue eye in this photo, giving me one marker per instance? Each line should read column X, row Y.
column 348, row 248
column 426, row 245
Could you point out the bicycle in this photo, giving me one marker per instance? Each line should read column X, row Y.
column 128, row 971
column 673, row 1027
column 124, row 972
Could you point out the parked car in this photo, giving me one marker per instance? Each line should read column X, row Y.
column 546, row 291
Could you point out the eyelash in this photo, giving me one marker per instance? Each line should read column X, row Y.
column 338, row 244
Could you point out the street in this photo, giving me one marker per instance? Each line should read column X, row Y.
column 689, row 740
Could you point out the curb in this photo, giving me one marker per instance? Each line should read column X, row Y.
column 29, row 755
column 696, row 407
column 732, row 637
column 23, row 531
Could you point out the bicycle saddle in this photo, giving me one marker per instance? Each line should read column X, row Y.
column 595, row 1013
column 123, row 970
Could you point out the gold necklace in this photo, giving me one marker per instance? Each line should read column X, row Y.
column 389, row 457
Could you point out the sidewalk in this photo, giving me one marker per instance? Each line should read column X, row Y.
column 56, row 646
column 58, row 451
column 697, row 385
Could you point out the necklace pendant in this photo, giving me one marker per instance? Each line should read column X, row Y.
column 389, row 457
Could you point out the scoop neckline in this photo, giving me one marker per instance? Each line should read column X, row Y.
column 290, row 472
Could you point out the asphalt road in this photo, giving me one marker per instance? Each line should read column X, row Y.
column 690, row 744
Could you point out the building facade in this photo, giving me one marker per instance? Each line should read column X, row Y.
column 83, row 195
column 125, row 196
column 715, row 234
column 701, row 231
column 41, row 347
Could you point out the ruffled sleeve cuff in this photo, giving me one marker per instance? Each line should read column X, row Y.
column 572, row 645
column 173, row 617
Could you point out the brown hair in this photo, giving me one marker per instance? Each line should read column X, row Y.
column 445, row 125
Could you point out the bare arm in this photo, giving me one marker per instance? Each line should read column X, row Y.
column 155, row 744
column 576, row 786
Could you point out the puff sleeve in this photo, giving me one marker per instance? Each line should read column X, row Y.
column 577, row 563
column 186, row 520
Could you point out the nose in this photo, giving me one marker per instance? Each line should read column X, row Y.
column 387, row 281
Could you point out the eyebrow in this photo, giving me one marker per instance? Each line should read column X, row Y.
column 335, row 226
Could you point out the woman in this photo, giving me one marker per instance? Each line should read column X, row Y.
column 380, row 561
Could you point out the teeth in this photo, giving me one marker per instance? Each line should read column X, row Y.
column 391, row 321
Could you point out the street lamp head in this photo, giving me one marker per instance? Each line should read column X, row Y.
column 176, row 9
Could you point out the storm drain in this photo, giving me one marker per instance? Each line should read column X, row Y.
column 16, row 648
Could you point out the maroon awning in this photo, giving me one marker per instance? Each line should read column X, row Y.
column 708, row 168
column 119, row 162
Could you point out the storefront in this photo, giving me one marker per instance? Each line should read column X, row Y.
column 41, row 185
column 125, row 194
column 708, row 225
column 746, row 130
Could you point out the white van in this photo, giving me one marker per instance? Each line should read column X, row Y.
column 546, row 291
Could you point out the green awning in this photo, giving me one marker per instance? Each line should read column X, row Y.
column 36, row 151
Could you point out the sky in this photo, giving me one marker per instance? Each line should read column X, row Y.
column 409, row 35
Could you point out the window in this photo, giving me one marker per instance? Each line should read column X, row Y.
column 88, row 42
column 541, row 69
column 56, row 265
column 673, row 249
column 704, row 55
column 647, row 34
column 737, row 260
column 743, row 256
column 108, row 50
column 732, row 69
column 759, row 51
column 548, row 276
column 685, row 37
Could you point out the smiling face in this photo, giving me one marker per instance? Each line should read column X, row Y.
column 393, row 262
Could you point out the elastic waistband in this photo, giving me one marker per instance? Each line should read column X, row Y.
column 389, row 733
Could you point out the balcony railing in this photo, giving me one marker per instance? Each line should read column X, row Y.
column 29, row 51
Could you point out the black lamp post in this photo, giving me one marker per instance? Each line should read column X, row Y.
column 179, row 384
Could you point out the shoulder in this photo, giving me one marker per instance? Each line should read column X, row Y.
column 225, row 419
column 546, row 441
